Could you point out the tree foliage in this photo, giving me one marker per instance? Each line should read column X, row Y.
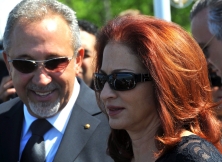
column 100, row 11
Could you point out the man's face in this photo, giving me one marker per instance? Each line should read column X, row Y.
column 201, row 33
column 88, row 43
column 212, row 48
column 44, row 92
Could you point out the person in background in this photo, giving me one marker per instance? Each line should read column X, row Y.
column 130, row 12
column 152, row 82
column 216, row 86
column 3, row 71
column 215, row 28
column 7, row 91
column 88, row 33
column 209, row 37
column 6, row 87
column 210, row 45
column 55, row 116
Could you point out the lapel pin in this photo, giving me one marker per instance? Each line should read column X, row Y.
column 87, row 126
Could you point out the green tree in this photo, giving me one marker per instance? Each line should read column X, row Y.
column 99, row 11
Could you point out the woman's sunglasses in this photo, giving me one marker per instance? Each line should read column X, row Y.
column 52, row 65
column 121, row 81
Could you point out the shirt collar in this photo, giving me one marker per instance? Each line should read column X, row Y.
column 60, row 120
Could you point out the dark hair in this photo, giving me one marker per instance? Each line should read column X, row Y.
column 198, row 6
column 215, row 18
column 214, row 15
column 88, row 27
column 180, row 79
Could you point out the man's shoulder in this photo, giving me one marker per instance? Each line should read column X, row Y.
column 6, row 106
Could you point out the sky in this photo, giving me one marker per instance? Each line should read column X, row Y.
column 5, row 7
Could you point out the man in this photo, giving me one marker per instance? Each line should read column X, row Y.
column 215, row 27
column 88, row 33
column 43, row 54
column 210, row 42
column 207, row 32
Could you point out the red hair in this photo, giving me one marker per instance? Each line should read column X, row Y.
column 179, row 71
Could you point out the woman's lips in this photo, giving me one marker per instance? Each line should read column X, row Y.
column 114, row 110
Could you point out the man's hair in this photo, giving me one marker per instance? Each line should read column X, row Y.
column 88, row 27
column 198, row 6
column 214, row 15
column 28, row 11
column 215, row 18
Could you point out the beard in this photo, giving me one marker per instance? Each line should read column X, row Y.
column 44, row 109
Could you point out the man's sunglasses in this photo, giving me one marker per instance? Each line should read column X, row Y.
column 121, row 81
column 52, row 65
column 215, row 80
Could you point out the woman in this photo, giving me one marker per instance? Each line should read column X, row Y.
column 152, row 83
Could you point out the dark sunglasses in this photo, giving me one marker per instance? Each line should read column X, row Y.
column 121, row 81
column 52, row 65
column 215, row 80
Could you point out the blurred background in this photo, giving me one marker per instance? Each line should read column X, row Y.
column 100, row 11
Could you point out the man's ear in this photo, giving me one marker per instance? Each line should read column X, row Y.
column 5, row 57
column 79, row 59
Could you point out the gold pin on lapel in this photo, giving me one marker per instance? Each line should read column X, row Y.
column 87, row 126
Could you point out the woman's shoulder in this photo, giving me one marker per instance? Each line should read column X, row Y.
column 192, row 149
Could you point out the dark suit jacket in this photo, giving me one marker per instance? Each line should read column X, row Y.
column 77, row 145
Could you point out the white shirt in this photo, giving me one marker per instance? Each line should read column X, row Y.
column 59, row 122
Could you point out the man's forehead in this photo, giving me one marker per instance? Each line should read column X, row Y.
column 199, row 21
column 199, row 27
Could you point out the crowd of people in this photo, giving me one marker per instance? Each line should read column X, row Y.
column 137, row 89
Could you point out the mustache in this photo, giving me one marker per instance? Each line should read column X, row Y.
column 49, row 87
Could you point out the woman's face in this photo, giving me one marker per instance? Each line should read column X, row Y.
column 133, row 109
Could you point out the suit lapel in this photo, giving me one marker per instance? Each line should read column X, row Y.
column 76, row 136
column 11, row 125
